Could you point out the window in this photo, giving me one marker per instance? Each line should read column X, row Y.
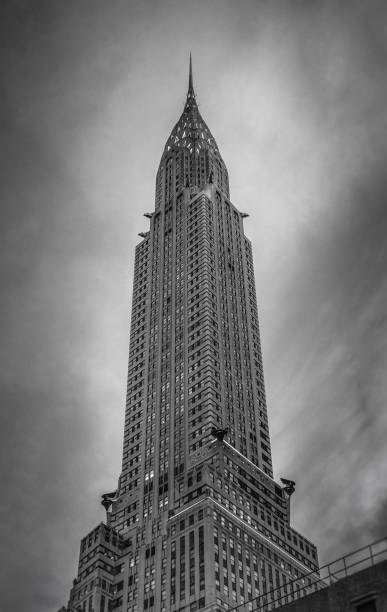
column 366, row 606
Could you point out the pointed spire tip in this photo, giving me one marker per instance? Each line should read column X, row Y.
column 190, row 80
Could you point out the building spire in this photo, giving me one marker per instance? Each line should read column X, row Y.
column 191, row 92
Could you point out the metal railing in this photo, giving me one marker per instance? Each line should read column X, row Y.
column 324, row 577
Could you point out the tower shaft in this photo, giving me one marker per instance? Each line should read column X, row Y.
column 197, row 519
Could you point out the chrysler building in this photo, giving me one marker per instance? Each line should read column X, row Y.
column 197, row 521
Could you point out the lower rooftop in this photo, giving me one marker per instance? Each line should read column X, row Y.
column 356, row 582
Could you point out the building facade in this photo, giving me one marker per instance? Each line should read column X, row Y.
column 197, row 521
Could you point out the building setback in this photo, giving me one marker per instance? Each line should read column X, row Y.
column 197, row 521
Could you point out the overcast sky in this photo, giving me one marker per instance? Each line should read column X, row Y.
column 294, row 92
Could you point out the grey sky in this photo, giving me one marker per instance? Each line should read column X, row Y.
column 295, row 94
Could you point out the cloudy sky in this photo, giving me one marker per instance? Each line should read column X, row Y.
column 294, row 92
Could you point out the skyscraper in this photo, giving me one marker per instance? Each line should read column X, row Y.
column 197, row 521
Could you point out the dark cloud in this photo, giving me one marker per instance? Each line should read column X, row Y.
column 335, row 386
column 377, row 527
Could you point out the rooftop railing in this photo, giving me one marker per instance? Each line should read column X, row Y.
column 326, row 575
